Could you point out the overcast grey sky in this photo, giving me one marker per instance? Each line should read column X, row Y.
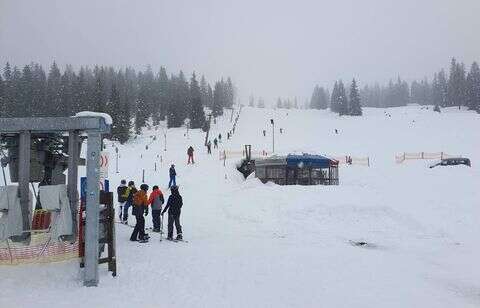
column 269, row 48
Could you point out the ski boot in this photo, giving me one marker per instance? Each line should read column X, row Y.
column 179, row 237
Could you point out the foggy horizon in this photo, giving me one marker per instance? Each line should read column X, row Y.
column 269, row 49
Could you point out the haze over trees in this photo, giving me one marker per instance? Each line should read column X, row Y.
column 134, row 99
column 458, row 88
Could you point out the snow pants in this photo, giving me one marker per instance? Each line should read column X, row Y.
column 156, row 219
column 174, row 218
column 120, row 212
column 190, row 159
column 139, row 230
column 172, row 182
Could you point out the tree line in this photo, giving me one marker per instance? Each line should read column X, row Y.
column 458, row 88
column 133, row 98
column 340, row 101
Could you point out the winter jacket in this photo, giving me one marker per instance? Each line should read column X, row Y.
column 172, row 172
column 190, row 151
column 156, row 200
column 174, row 203
column 129, row 193
column 140, row 202
column 120, row 192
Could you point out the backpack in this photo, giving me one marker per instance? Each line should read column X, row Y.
column 120, row 192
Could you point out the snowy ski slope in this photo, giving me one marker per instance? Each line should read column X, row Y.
column 255, row 245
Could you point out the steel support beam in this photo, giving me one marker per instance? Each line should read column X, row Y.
column 94, row 147
column 24, row 178
column 73, row 162
column 17, row 125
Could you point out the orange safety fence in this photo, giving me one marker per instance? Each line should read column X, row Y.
column 41, row 247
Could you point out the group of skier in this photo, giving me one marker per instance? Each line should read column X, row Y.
column 140, row 201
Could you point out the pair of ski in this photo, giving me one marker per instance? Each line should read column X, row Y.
column 170, row 240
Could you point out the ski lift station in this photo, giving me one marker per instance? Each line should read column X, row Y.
column 40, row 150
column 306, row 169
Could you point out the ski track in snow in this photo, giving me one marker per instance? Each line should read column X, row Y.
column 256, row 245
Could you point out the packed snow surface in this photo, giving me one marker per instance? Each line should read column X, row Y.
column 256, row 245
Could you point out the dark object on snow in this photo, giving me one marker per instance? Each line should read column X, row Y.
column 362, row 244
column 453, row 162
column 436, row 109
column 303, row 169
column 190, row 155
column 247, row 165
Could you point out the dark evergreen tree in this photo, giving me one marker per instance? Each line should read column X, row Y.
column 197, row 115
column 343, row 107
column 2, row 97
column 251, row 101
column 261, row 103
column 456, row 84
column 355, row 106
column 210, row 97
column 218, row 99
column 54, row 100
column 229, row 94
column 279, row 103
column 473, row 87
column 335, row 100
column 163, row 87
column 204, row 92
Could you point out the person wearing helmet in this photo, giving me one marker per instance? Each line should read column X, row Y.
column 140, row 208
column 174, row 206
column 156, row 201
column 129, row 193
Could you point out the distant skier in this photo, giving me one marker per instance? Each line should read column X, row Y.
column 174, row 206
column 220, row 138
column 120, row 198
column 190, row 155
column 228, row 136
column 140, row 208
column 336, row 131
column 215, row 143
column 281, row 130
column 264, row 133
column 156, row 201
column 209, row 147
column 173, row 175
column 129, row 193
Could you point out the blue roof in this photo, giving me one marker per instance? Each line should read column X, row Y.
column 309, row 160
